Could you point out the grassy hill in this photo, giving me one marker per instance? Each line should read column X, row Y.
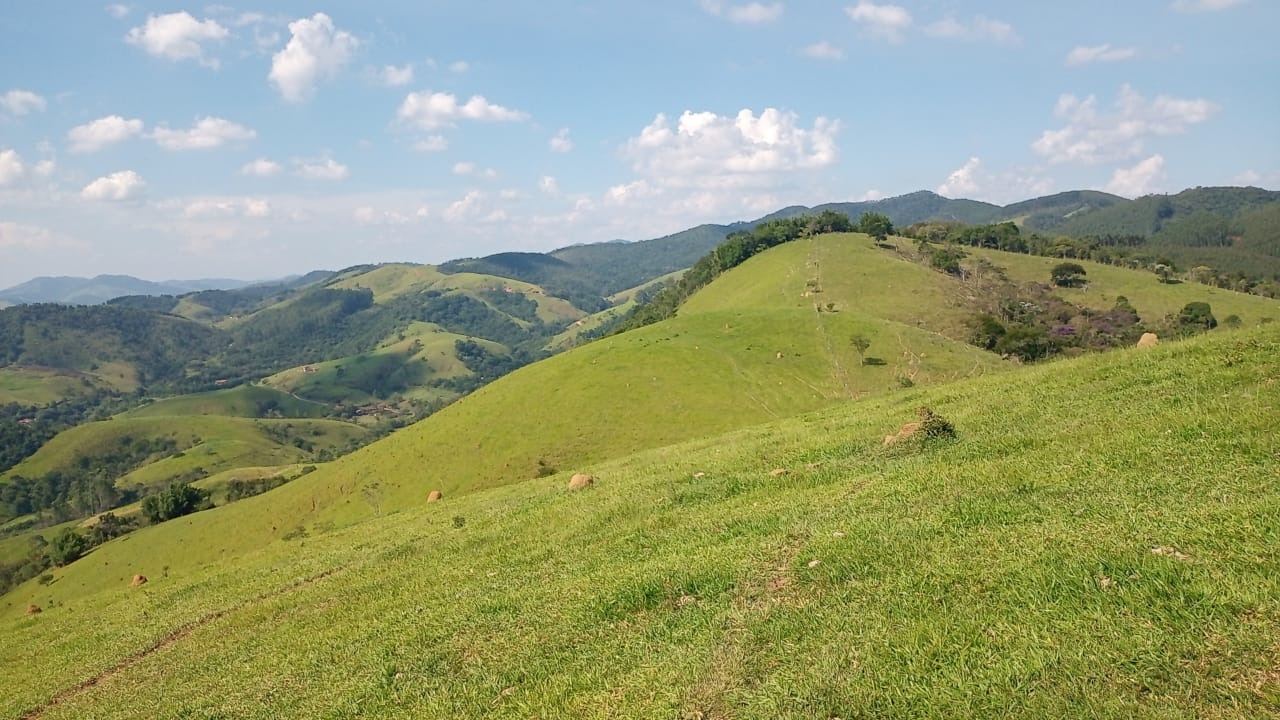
column 1097, row 542
column 206, row 442
column 250, row 401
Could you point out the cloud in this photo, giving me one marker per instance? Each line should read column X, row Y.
column 887, row 21
column 548, row 185
column 470, row 169
column 823, row 51
column 178, row 36
column 104, row 131
column 432, row 143
column 30, row 237
column 1270, row 179
column 260, row 168
column 979, row 29
column 227, row 208
column 872, row 196
column 45, row 168
column 974, row 181
column 561, row 142
column 1140, row 179
column 208, row 132
column 117, row 11
column 1091, row 137
column 321, row 169
column 748, row 13
column 11, row 167
column 316, row 50
column 393, row 76
column 1085, row 54
column 705, row 145
column 366, row 215
column 123, row 186
column 21, row 102
column 459, row 67
column 1194, row 6
column 431, row 111
column 963, row 182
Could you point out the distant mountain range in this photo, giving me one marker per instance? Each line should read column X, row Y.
column 1235, row 230
column 96, row 290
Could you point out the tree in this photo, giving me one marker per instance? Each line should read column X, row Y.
column 174, row 502
column 860, row 344
column 1067, row 274
column 67, row 547
column 877, row 225
column 1196, row 317
column 1163, row 271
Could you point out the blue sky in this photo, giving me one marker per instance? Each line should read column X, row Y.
column 260, row 140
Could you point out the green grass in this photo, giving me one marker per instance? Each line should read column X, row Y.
column 211, row 443
column 242, row 401
column 421, row 352
column 1010, row 573
column 1153, row 299
column 42, row 386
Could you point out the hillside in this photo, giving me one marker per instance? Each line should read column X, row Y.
column 758, row 344
column 1095, row 540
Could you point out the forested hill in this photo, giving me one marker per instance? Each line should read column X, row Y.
column 1234, row 230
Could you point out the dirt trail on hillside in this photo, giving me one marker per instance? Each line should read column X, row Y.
column 167, row 641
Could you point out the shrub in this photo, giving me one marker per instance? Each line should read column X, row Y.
column 175, row 502
column 1196, row 317
column 67, row 547
column 933, row 426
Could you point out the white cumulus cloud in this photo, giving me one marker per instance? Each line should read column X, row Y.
column 321, row 169
column 11, row 167
column 227, row 207
column 178, row 36
column 459, row 66
column 1086, row 54
column 888, row 21
column 102, row 132
column 30, row 237
column 261, row 167
column 705, row 144
column 432, row 143
column 548, row 185
column 208, row 132
column 21, row 102
column 974, row 181
column 316, row 50
column 1192, row 6
column 431, row 111
column 747, row 13
column 978, row 29
column 122, row 186
column 1141, row 179
column 1091, row 136
column 464, row 168
column 393, row 76
column 823, row 51
column 561, row 142
column 963, row 182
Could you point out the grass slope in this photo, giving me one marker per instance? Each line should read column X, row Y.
column 42, row 386
column 1099, row 542
column 241, row 401
column 209, row 442
column 1151, row 298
